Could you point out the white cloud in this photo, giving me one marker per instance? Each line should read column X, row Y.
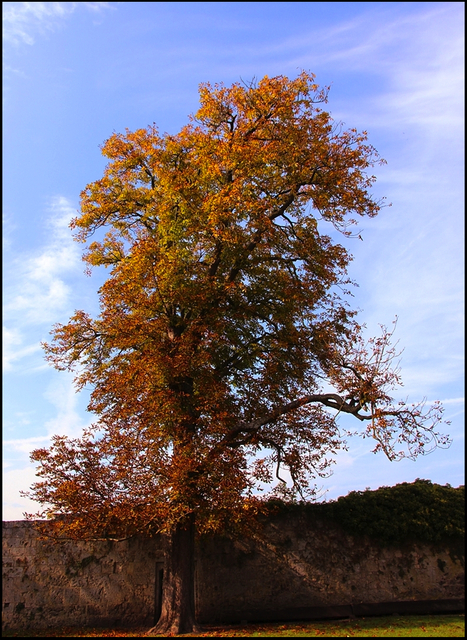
column 67, row 421
column 38, row 290
column 23, row 20
column 419, row 55
column 12, row 350
column 453, row 401
column 24, row 446
column 411, row 263
column 377, row 38
column 14, row 481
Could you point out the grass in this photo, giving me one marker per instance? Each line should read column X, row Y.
column 437, row 626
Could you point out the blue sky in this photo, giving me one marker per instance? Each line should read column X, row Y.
column 75, row 72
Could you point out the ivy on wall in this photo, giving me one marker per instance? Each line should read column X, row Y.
column 419, row 511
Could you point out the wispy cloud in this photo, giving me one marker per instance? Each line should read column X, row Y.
column 453, row 401
column 410, row 263
column 377, row 37
column 12, row 349
column 69, row 420
column 37, row 292
column 23, row 21
column 14, row 481
column 420, row 57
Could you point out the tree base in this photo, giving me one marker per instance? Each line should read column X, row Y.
column 173, row 629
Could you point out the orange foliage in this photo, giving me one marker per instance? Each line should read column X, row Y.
column 221, row 318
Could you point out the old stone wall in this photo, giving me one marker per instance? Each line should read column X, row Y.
column 297, row 568
column 46, row 583
column 305, row 568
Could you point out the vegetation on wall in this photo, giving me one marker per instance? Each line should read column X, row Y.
column 419, row 511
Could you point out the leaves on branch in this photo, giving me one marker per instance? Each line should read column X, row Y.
column 224, row 350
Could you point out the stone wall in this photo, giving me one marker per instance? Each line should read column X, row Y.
column 76, row 583
column 297, row 569
column 304, row 568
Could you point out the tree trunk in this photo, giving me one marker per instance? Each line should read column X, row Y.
column 178, row 591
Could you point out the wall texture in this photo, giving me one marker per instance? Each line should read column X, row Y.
column 298, row 568
column 84, row 583
column 307, row 568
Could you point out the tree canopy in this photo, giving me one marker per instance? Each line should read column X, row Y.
column 225, row 346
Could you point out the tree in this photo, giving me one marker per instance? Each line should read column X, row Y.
column 225, row 348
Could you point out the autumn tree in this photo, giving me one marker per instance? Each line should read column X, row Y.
column 225, row 348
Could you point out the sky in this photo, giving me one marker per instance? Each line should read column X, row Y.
column 75, row 72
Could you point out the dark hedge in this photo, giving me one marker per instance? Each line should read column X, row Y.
column 420, row 511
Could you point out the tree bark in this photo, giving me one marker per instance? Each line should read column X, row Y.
column 178, row 591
